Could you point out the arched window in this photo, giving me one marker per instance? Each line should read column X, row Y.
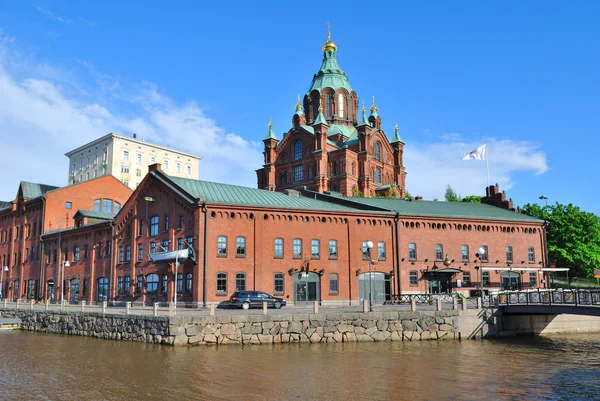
column 279, row 282
column 341, row 102
column 153, row 226
column 353, row 168
column 298, row 150
column 328, row 105
column 152, row 285
column 102, row 289
column 378, row 175
column 377, row 151
column 531, row 254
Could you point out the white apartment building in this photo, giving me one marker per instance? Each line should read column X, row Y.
column 127, row 158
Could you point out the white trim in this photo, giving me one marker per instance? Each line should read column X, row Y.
column 543, row 269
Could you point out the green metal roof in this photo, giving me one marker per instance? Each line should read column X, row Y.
column 396, row 137
column 33, row 190
column 458, row 210
column 226, row 194
column 320, row 119
column 270, row 133
column 330, row 75
column 345, row 130
column 96, row 215
column 4, row 205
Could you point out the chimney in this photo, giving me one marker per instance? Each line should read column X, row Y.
column 154, row 167
column 134, row 135
column 496, row 198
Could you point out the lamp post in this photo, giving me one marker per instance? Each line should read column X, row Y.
column 545, row 199
column 479, row 253
column 176, row 282
column 4, row 269
column 369, row 246
column 62, row 284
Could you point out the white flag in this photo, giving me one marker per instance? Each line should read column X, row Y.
column 478, row 154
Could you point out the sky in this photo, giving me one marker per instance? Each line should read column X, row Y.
column 205, row 77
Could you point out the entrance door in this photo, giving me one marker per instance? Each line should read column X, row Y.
column 306, row 287
column 510, row 281
column 375, row 284
column 51, row 290
column 440, row 283
column 74, row 291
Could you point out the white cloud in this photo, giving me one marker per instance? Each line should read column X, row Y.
column 41, row 119
column 432, row 166
column 53, row 16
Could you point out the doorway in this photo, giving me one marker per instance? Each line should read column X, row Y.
column 74, row 291
column 306, row 287
column 376, row 284
column 510, row 281
column 50, row 293
column 440, row 283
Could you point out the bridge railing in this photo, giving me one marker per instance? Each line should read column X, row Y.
column 543, row 297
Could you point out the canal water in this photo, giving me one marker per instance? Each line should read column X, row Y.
column 52, row 367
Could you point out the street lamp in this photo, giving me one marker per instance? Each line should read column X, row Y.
column 479, row 254
column 544, row 199
column 62, row 284
column 4, row 269
column 369, row 246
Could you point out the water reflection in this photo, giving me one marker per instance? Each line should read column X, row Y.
column 50, row 367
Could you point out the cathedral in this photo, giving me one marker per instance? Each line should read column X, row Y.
column 330, row 146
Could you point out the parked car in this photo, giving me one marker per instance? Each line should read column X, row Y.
column 248, row 299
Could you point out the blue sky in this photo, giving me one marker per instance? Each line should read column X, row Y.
column 205, row 77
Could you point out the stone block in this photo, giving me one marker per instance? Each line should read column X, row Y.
column 426, row 335
column 258, row 318
column 409, row 325
column 195, row 340
column 349, row 337
column 208, row 329
column 345, row 328
column 300, row 317
column 381, row 335
column 277, row 339
column 370, row 330
column 314, row 337
column 254, row 339
column 337, row 337
column 268, row 325
column 309, row 332
column 281, row 318
column 177, row 331
column 359, row 330
column 382, row 325
column 223, row 319
column 285, row 338
column 364, row 337
column 395, row 336
column 295, row 327
column 329, row 329
column 433, row 328
column 351, row 316
column 389, row 315
column 193, row 330
column 317, row 317
column 333, row 316
column 227, row 329
column 180, row 339
column 256, row 329
column 265, row 339
column 239, row 319
column 408, row 335
column 274, row 330
column 367, row 324
column 446, row 327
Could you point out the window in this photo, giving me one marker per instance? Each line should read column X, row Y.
column 105, row 155
column 340, row 105
column 531, row 254
column 153, row 160
column 222, row 246
column 381, row 250
column 117, row 207
column 485, row 278
column 328, row 105
column 465, row 253
column 414, row 278
column 153, row 226
column 179, row 243
column 138, row 172
column 333, row 253
column 532, row 279
column 100, row 249
column 95, row 173
column 166, row 222
column 120, row 254
column 152, row 285
column 366, row 251
column 85, row 251
column 127, row 284
column 378, row 175
column 467, row 279
column 106, row 205
column 278, row 247
column 141, row 228
column 297, row 254
column 180, row 221
column 126, row 155
column 73, row 169
column 377, row 151
column 120, row 286
column 164, row 285
column 108, row 248
column 76, row 254
column 298, row 150
column 189, row 170
column 68, row 205
column 310, row 174
column 124, row 169
column 298, row 174
column 240, row 247
column 333, row 284
column 509, row 254
column 139, row 158
column 179, row 283
column 240, row 282
column 139, row 284
column 140, row 255
column 412, row 252
column 315, row 248
column 188, row 284
column 165, row 245
column 439, row 252
column 190, row 242
column 484, row 256
column 153, row 247
column 166, row 165
column 97, row 205
column 178, row 167
column 221, row 283
column 80, row 164
column 279, row 281
column 127, row 253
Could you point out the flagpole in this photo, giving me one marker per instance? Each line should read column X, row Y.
column 487, row 165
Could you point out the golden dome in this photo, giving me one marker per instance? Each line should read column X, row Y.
column 329, row 45
column 373, row 107
column 298, row 106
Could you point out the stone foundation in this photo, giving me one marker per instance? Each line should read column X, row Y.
column 252, row 329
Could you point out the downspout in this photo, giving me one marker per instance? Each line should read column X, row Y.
column 546, row 263
column 349, row 267
column 42, row 275
column 112, row 253
column 205, row 210
column 254, row 258
column 398, row 280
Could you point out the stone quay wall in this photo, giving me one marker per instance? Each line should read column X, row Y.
column 247, row 329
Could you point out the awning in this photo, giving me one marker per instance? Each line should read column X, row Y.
column 526, row 269
column 450, row 270
column 180, row 255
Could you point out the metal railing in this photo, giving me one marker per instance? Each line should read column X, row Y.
column 420, row 298
column 543, row 297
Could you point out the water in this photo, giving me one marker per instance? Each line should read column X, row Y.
column 52, row 367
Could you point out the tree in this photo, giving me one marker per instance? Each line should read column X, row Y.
column 451, row 195
column 357, row 193
column 407, row 195
column 573, row 236
column 472, row 199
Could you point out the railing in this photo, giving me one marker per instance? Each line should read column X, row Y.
column 420, row 298
column 543, row 297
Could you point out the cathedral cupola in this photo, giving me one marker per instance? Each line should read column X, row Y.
column 298, row 119
column 374, row 118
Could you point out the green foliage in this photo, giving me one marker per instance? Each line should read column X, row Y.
column 357, row 194
column 390, row 194
column 573, row 237
column 472, row 199
column 407, row 195
column 451, row 195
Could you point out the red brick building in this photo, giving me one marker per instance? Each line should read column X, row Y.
column 330, row 147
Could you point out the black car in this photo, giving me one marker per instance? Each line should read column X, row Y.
column 248, row 299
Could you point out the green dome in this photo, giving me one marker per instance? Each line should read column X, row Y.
column 330, row 75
